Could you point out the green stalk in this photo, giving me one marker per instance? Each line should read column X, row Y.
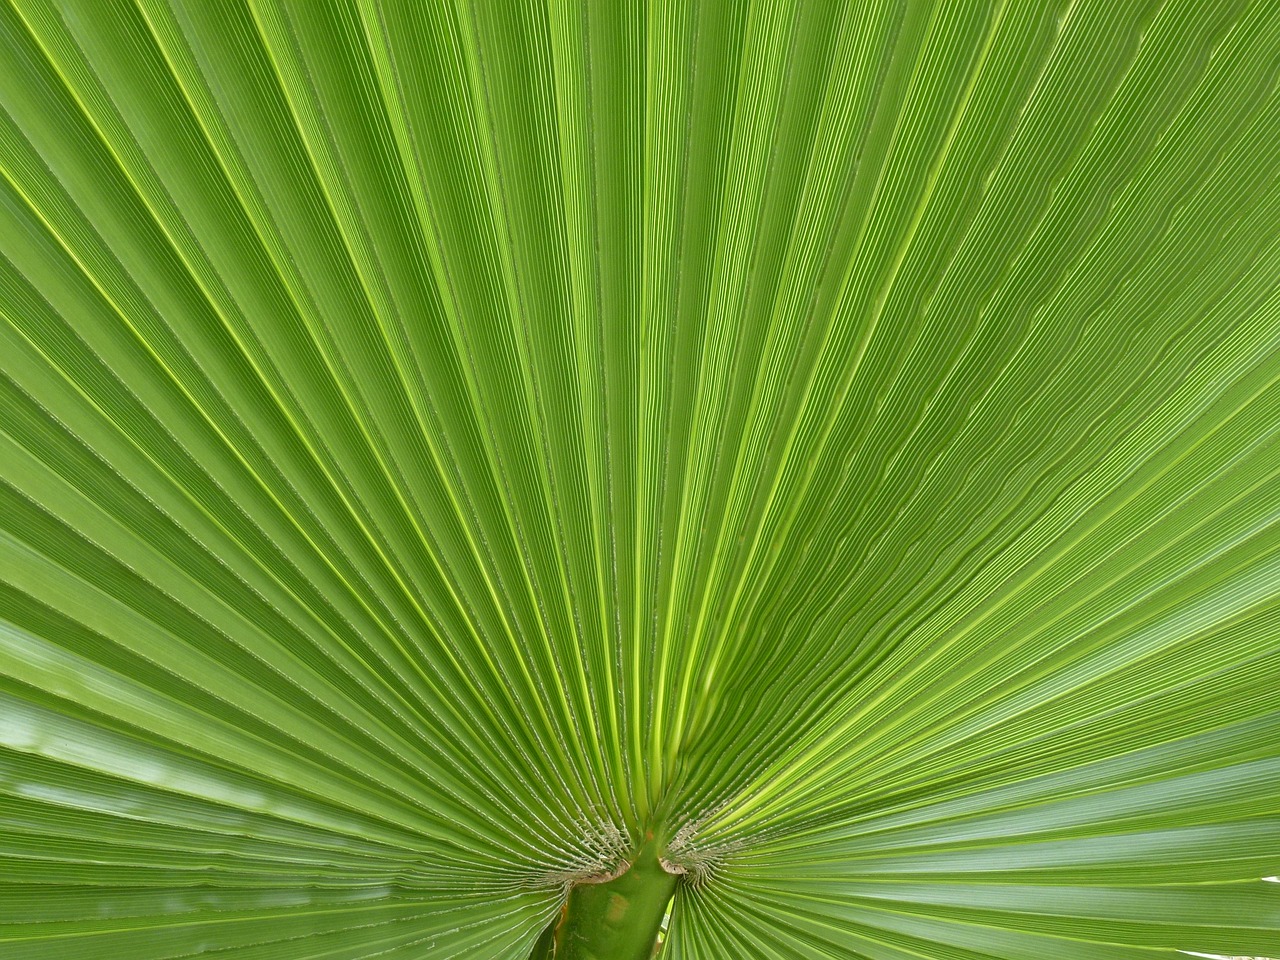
column 617, row 920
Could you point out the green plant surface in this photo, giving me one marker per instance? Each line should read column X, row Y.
column 614, row 917
column 469, row 470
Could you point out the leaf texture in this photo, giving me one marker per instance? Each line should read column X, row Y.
column 442, row 442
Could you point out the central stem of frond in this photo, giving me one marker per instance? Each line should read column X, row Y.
column 617, row 919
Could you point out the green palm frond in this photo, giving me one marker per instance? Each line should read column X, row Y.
column 473, row 472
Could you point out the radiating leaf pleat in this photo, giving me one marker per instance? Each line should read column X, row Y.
column 442, row 443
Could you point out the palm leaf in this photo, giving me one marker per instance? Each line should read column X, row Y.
column 824, row 451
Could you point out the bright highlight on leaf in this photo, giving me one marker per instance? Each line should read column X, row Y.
column 471, row 473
